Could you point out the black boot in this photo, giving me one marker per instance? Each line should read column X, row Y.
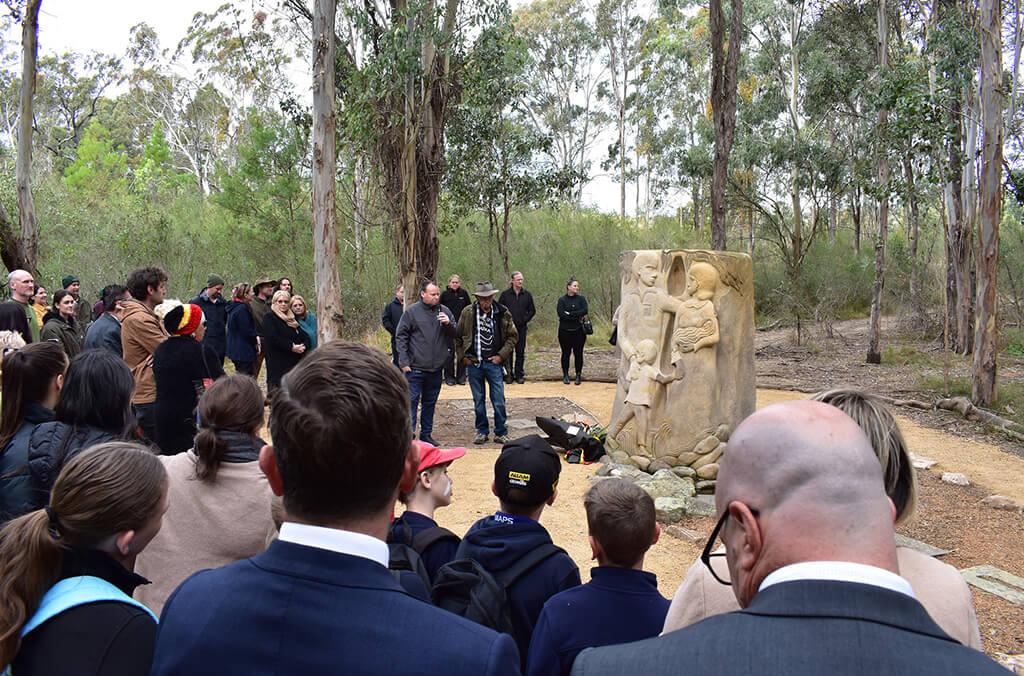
column 579, row 378
column 565, row 377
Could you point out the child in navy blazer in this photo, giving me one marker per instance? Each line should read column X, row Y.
column 621, row 602
column 525, row 481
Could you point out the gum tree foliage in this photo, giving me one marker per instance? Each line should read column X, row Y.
column 494, row 149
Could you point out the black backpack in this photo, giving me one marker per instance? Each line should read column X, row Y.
column 466, row 588
column 404, row 560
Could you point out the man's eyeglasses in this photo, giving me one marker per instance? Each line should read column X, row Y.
column 710, row 552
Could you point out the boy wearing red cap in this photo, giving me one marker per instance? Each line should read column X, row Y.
column 433, row 489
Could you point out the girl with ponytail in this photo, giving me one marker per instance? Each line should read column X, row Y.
column 65, row 570
column 220, row 500
column 32, row 379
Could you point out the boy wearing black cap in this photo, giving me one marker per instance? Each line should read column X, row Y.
column 525, row 481
column 621, row 603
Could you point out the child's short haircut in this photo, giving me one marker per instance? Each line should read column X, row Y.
column 620, row 516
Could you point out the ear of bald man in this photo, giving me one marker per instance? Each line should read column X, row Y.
column 801, row 483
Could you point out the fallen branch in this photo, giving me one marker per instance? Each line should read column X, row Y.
column 968, row 410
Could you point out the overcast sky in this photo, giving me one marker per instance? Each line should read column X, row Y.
column 103, row 26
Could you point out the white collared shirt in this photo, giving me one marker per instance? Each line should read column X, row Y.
column 839, row 571
column 335, row 540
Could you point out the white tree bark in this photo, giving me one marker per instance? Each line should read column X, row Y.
column 325, row 236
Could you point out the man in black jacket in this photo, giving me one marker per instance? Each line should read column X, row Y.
column 456, row 299
column 519, row 302
column 391, row 316
column 215, row 311
column 423, row 337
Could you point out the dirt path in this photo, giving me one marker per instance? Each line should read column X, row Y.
column 948, row 517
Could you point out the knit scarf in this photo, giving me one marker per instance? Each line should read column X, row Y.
column 286, row 316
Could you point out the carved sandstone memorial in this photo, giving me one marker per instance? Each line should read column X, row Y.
column 686, row 378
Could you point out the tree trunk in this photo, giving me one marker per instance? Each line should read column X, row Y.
column 695, row 196
column 724, row 70
column 983, row 370
column 833, row 218
column 12, row 251
column 794, row 114
column 914, row 237
column 330, row 318
column 411, row 153
column 23, row 167
column 874, row 355
column 856, row 209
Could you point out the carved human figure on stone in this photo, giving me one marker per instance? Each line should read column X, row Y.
column 640, row 316
column 644, row 382
column 696, row 325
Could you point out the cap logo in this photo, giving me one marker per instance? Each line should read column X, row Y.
column 518, row 478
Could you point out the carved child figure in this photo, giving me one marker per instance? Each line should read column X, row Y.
column 643, row 380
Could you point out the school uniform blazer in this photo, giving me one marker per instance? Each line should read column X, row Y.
column 296, row 609
column 801, row 627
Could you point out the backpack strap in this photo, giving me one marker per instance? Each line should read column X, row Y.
column 526, row 563
column 78, row 591
column 425, row 538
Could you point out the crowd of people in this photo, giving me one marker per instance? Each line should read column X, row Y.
column 244, row 556
column 173, row 350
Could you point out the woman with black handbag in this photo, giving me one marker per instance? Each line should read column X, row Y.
column 573, row 328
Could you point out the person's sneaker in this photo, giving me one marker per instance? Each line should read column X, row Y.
column 449, row 381
column 501, row 439
column 431, row 440
column 460, row 381
column 520, row 380
column 565, row 378
column 579, row 378
column 481, row 439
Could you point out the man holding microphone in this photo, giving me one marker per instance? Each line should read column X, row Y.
column 422, row 339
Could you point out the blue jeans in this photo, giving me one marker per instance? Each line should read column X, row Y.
column 490, row 373
column 425, row 386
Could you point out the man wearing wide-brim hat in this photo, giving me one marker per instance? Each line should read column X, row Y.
column 487, row 336
column 263, row 289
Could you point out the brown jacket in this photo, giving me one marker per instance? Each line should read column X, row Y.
column 141, row 333
column 505, row 328
column 938, row 586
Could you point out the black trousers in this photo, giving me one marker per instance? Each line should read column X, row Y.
column 453, row 371
column 519, row 357
column 572, row 342
column 145, row 418
column 244, row 368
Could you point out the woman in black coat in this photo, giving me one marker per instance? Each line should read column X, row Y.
column 242, row 345
column 183, row 367
column 94, row 407
column 572, row 310
column 283, row 340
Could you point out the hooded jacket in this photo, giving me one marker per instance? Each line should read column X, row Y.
column 18, row 493
column 241, row 340
column 141, row 333
column 63, row 332
column 496, row 544
column 505, row 331
column 215, row 311
column 52, row 444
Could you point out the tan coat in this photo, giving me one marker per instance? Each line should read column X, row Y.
column 207, row 525
column 141, row 333
column 938, row 586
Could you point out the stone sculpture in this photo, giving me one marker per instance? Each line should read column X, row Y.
column 686, row 376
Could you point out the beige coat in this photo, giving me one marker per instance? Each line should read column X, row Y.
column 141, row 333
column 206, row 525
column 938, row 586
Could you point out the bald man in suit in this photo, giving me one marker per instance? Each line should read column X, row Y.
column 811, row 558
